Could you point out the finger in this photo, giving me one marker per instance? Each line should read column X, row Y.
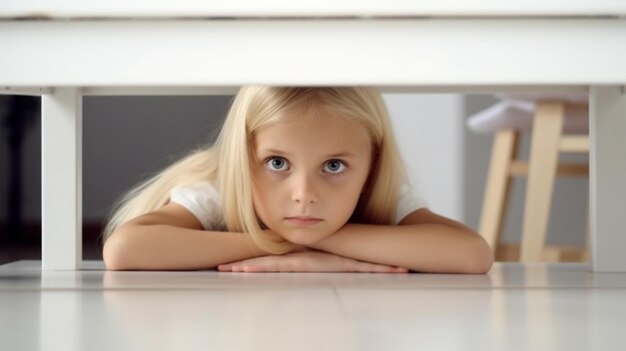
column 264, row 264
column 227, row 267
column 238, row 268
column 224, row 267
column 394, row 269
column 400, row 270
column 379, row 268
column 253, row 269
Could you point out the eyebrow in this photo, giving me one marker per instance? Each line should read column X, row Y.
column 286, row 153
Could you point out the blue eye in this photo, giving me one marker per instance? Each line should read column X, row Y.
column 277, row 164
column 334, row 167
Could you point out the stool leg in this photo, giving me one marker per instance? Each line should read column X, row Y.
column 544, row 152
column 585, row 252
column 497, row 187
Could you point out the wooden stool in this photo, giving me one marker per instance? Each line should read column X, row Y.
column 558, row 125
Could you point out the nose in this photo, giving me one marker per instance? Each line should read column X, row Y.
column 304, row 190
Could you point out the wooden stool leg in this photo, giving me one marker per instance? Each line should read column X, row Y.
column 546, row 134
column 585, row 252
column 497, row 187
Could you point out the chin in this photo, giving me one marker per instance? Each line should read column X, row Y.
column 303, row 238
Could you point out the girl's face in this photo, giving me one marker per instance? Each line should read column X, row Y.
column 308, row 176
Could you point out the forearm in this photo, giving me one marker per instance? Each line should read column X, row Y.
column 165, row 247
column 425, row 247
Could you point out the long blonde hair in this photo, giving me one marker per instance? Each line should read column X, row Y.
column 227, row 161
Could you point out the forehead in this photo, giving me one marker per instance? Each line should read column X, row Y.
column 320, row 133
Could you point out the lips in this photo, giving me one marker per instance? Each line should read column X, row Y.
column 303, row 220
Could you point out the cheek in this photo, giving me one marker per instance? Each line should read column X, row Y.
column 265, row 197
column 264, row 190
column 345, row 197
column 350, row 186
column 259, row 197
column 261, row 211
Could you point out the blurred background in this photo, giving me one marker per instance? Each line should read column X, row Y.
column 128, row 138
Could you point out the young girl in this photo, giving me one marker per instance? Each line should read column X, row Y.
column 299, row 179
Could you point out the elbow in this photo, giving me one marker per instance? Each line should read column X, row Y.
column 113, row 253
column 481, row 258
column 481, row 266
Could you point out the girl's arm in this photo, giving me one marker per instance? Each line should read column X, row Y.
column 307, row 261
column 423, row 241
column 172, row 238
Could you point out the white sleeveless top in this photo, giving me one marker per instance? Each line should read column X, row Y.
column 203, row 200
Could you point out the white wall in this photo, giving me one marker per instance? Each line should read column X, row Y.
column 430, row 135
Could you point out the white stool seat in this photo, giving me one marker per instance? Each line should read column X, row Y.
column 517, row 114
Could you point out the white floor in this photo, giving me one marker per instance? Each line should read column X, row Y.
column 514, row 307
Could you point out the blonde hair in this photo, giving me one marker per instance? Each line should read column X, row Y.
column 227, row 162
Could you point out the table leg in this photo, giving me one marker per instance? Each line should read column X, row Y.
column 607, row 178
column 61, row 176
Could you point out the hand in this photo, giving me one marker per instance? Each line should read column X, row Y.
column 307, row 261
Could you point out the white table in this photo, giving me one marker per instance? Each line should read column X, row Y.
column 63, row 50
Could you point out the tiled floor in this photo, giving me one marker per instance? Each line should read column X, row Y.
column 514, row 307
